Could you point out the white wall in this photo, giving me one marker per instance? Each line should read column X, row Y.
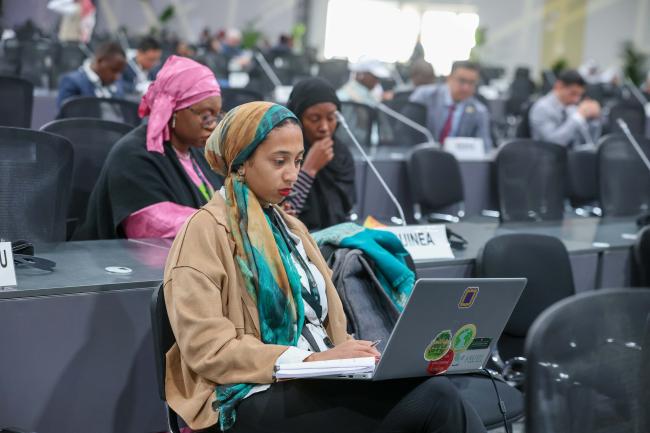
column 609, row 23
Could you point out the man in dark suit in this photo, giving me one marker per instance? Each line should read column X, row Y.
column 452, row 108
column 96, row 77
column 138, row 73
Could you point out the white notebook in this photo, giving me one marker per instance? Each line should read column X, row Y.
column 297, row 370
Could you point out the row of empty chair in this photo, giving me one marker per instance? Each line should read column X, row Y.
column 536, row 181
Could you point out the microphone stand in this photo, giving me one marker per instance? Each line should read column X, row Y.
column 408, row 122
column 344, row 123
column 637, row 147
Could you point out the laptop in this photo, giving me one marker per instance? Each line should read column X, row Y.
column 448, row 326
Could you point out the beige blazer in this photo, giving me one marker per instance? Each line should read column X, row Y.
column 214, row 318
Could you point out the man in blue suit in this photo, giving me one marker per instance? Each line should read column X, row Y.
column 452, row 108
column 96, row 77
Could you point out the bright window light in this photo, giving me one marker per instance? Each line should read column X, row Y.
column 376, row 29
column 447, row 36
column 387, row 31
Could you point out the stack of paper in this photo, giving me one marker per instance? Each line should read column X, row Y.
column 333, row 367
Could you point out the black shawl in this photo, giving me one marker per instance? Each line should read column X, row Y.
column 133, row 178
column 332, row 194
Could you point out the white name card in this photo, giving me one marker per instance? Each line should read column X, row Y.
column 424, row 242
column 465, row 148
column 7, row 269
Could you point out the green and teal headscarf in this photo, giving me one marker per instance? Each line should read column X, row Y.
column 262, row 256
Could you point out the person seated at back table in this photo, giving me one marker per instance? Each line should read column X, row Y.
column 324, row 193
column 98, row 76
column 452, row 108
column 156, row 175
column 247, row 289
column 138, row 74
column 559, row 116
column 364, row 87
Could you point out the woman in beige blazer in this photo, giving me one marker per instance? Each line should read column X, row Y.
column 247, row 289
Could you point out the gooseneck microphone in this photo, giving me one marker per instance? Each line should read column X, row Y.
column 637, row 147
column 408, row 122
column 343, row 122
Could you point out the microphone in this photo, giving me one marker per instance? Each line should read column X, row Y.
column 343, row 122
column 408, row 122
column 268, row 70
column 637, row 147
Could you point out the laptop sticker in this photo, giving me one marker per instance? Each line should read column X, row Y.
column 464, row 337
column 480, row 343
column 468, row 298
column 441, row 365
column 439, row 346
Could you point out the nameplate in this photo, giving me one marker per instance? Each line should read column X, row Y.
column 465, row 148
column 7, row 269
column 424, row 242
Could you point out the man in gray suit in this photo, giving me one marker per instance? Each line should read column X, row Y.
column 560, row 117
column 452, row 108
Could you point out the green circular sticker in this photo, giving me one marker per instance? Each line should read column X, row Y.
column 439, row 346
column 464, row 337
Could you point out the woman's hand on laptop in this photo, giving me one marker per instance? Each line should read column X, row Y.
column 347, row 349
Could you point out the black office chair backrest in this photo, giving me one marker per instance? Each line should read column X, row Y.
column 624, row 181
column 531, row 180
column 434, row 177
column 334, row 71
column 632, row 112
column 91, row 139
column 232, row 98
column 523, row 127
column 163, row 340
column 113, row 109
column 360, row 119
column 394, row 132
column 585, row 364
column 642, row 257
column 36, row 60
column 582, row 172
column 544, row 261
column 35, row 169
column 68, row 57
column 16, row 102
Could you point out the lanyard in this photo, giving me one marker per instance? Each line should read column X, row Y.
column 205, row 187
column 311, row 295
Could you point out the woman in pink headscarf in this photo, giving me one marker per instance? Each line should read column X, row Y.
column 156, row 176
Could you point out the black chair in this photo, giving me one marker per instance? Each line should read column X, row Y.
column 544, row 261
column 393, row 132
column 334, row 71
column 436, row 184
column 35, row 171
column 36, row 60
column 231, row 98
column 91, row 139
column 17, row 96
column 361, row 119
column 113, row 109
column 531, row 180
column 632, row 112
column 642, row 257
column 163, row 340
column 582, row 173
column 624, row 181
column 586, row 364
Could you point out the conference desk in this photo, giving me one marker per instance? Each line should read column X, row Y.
column 479, row 184
column 77, row 351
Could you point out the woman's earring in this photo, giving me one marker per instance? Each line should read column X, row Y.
column 174, row 121
column 240, row 173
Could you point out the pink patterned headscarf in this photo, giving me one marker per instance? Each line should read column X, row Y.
column 180, row 83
